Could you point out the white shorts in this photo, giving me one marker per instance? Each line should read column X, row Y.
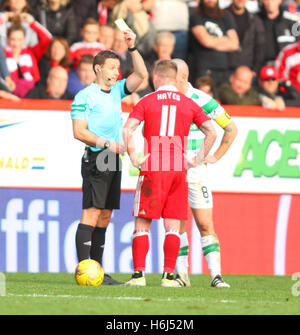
column 200, row 195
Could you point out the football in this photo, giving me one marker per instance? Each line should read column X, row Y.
column 89, row 273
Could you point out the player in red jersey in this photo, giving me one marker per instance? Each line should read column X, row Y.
column 162, row 187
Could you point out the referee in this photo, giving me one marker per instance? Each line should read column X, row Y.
column 96, row 117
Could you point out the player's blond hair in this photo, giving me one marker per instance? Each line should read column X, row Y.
column 165, row 69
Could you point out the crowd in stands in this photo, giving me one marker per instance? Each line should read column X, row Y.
column 243, row 52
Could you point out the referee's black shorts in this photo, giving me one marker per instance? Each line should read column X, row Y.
column 101, row 185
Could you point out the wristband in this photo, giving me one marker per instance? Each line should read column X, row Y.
column 132, row 49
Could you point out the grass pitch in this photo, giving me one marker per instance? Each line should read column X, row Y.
column 58, row 294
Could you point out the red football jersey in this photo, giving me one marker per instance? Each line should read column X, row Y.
column 288, row 64
column 167, row 116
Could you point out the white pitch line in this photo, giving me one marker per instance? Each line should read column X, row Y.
column 203, row 300
column 72, row 296
column 66, row 296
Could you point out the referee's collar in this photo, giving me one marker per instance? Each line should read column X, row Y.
column 167, row 88
column 101, row 89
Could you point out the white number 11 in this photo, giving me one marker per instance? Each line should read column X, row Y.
column 165, row 115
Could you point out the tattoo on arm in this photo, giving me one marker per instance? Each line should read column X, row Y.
column 208, row 129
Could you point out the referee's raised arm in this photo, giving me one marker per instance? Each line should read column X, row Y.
column 140, row 72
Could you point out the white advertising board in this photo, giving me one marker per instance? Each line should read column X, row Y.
column 37, row 150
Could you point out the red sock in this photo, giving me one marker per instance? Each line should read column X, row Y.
column 140, row 247
column 171, row 250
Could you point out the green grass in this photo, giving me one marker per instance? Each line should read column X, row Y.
column 58, row 294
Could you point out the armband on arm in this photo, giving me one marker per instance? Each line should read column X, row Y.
column 223, row 120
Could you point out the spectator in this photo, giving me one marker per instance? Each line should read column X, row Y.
column 57, row 54
column 138, row 20
column 60, row 20
column 137, row 6
column 22, row 62
column 162, row 49
column 177, row 23
column 56, row 86
column 148, row 6
column 251, row 34
column 33, row 3
column 104, row 10
column 89, row 44
column 6, row 83
column 83, row 10
column 120, row 47
column 10, row 9
column 288, row 64
column 9, row 96
column 292, row 7
column 268, row 88
column 252, row 6
column 205, row 84
column 83, row 76
column 213, row 36
column 278, row 28
column 106, row 36
column 275, row 94
column 290, row 95
column 223, row 3
column 238, row 90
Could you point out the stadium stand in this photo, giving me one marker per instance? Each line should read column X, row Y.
column 251, row 45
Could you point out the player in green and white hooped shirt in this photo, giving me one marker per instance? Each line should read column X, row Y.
column 200, row 196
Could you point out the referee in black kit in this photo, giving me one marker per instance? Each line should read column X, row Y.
column 96, row 117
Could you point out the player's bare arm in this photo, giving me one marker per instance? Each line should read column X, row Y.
column 128, row 130
column 82, row 134
column 230, row 132
column 140, row 72
column 210, row 136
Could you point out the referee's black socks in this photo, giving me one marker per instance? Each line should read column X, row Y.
column 90, row 242
column 98, row 242
column 83, row 241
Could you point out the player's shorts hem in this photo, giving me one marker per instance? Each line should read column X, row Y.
column 100, row 207
column 200, row 206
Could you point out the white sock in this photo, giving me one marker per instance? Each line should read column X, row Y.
column 211, row 251
column 182, row 262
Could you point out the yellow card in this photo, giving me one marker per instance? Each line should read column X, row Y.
column 122, row 25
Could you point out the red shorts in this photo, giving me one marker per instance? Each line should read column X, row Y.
column 162, row 194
